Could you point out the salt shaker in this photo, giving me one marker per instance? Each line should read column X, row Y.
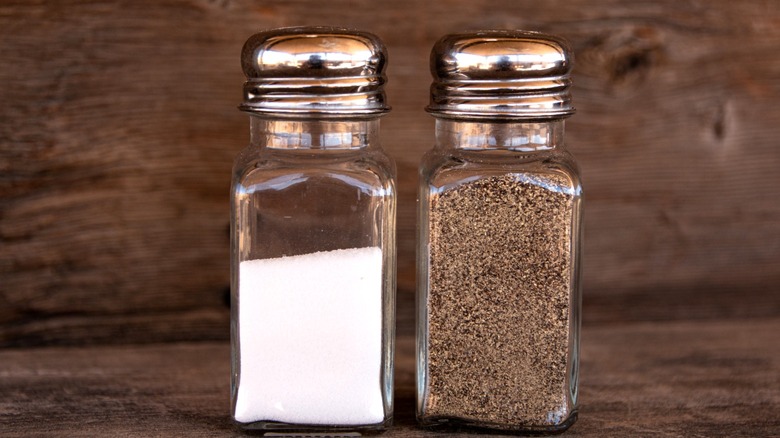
column 313, row 237
column 499, row 238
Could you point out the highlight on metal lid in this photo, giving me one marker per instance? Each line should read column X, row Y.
column 501, row 74
column 314, row 71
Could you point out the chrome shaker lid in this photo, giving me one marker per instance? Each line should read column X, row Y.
column 501, row 74
column 320, row 71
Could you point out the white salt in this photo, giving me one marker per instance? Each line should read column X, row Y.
column 310, row 333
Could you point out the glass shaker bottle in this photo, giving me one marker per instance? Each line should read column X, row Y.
column 313, row 236
column 499, row 238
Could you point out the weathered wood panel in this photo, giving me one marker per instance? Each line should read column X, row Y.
column 118, row 125
column 676, row 379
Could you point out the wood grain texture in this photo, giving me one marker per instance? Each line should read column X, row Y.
column 676, row 379
column 118, row 126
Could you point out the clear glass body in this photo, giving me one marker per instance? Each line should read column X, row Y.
column 498, row 278
column 313, row 278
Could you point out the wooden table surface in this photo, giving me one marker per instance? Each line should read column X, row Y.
column 682, row 378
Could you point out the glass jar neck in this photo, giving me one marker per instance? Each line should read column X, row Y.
column 519, row 136
column 313, row 134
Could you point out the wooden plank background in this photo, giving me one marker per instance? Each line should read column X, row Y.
column 118, row 126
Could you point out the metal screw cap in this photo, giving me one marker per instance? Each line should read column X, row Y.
column 501, row 74
column 314, row 71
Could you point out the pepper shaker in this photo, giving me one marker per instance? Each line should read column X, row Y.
column 313, row 204
column 499, row 228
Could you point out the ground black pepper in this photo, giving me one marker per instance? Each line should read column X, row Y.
column 498, row 307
